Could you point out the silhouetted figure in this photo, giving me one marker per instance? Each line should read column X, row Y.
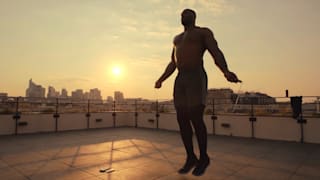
column 190, row 87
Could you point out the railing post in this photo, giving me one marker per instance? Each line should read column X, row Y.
column 136, row 114
column 252, row 119
column 302, row 121
column 88, row 114
column 56, row 115
column 16, row 116
column 157, row 114
column 213, row 118
column 296, row 105
column 114, row 113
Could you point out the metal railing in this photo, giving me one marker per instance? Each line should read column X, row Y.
column 252, row 107
column 223, row 106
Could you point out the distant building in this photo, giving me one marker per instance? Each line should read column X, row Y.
column 77, row 94
column 86, row 95
column 166, row 106
column 52, row 93
column 3, row 97
column 95, row 94
column 220, row 96
column 109, row 99
column 35, row 90
column 133, row 100
column 64, row 93
column 256, row 98
column 223, row 99
column 118, row 96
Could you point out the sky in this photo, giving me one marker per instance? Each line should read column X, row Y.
column 77, row 44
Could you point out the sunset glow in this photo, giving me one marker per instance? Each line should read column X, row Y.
column 127, row 46
column 116, row 71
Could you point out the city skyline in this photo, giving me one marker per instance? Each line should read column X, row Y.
column 35, row 90
column 271, row 45
column 38, row 91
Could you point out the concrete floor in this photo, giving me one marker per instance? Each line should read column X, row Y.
column 149, row 154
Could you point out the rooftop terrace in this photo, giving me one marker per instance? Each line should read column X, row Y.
column 139, row 153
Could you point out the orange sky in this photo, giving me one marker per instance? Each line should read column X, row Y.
column 271, row 45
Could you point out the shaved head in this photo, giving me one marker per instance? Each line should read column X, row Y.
column 188, row 17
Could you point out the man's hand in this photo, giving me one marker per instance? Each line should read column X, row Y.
column 158, row 84
column 231, row 77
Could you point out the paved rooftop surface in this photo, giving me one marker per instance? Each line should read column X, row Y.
column 149, row 154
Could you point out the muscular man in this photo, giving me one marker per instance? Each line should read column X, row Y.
column 190, row 86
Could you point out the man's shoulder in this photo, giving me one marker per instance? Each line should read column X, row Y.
column 177, row 37
column 204, row 30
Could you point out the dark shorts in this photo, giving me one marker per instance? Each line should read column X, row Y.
column 190, row 88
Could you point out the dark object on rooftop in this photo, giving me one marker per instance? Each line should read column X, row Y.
column 296, row 102
column 56, row 115
column 23, row 123
column 225, row 125
column 252, row 119
column 16, row 116
column 98, row 120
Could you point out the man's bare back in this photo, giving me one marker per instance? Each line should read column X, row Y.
column 189, row 47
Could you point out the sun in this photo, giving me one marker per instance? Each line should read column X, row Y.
column 116, row 71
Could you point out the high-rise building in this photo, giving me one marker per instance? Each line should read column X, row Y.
column 52, row 93
column 118, row 96
column 109, row 99
column 64, row 93
column 77, row 94
column 35, row 90
column 95, row 94
column 86, row 95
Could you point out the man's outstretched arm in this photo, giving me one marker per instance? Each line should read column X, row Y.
column 218, row 56
column 169, row 70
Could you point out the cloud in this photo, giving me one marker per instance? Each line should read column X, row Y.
column 158, row 34
column 216, row 7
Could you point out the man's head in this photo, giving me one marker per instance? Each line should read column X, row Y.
column 188, row 17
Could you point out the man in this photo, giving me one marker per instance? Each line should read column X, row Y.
column 190, row 86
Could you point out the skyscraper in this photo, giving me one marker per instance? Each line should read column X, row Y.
column 35, row 90
column 52, row 93
column 95, row 94
column 118, row 96
column 64, row 93
column 77, row 94
column 109, row 99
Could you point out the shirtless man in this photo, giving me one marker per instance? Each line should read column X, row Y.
column 190, row 86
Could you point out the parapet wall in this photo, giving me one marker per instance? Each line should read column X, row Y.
column 268, row 127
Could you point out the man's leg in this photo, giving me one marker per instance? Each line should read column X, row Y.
column 201, row 133
column 186, row 135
